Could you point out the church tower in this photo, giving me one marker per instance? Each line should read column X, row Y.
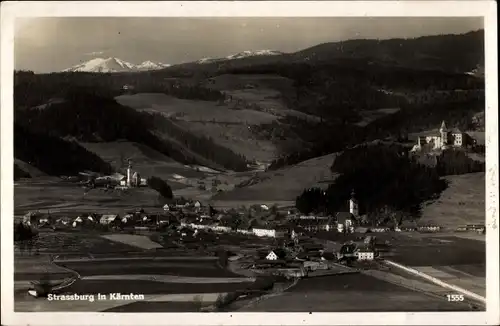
column 444, row 134
column 353, row 205
column 129, row 173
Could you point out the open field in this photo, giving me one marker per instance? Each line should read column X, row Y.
column 457, row 276
column 284, row 184
column 350, row 293
column 438, row 251
column 66, row 197
column 237, row 137
column 264, row 92
column 158, row 277
column 190, row 110
column 462, row 203
column 227, row 127
column 79, row 243
column 139, row 241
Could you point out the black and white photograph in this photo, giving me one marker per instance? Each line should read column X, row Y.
column 230, row 164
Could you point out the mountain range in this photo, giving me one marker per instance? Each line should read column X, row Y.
column 428, row 52
column 118, row 65
column 242, row 55
column 115, row 65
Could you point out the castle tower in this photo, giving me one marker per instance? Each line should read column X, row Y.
column 443, row 131
column 353, row 205
column 129, row 173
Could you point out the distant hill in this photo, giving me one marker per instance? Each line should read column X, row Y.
column 452, row 53
column 457, row 53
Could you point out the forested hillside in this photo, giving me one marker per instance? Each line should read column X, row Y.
column 53, row 155
column 425, row 78
column 88, row 117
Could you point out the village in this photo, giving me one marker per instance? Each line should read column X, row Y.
column 264, row 240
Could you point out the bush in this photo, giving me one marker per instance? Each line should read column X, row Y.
column 161, row 186
column 223, row 300
column 23, row 232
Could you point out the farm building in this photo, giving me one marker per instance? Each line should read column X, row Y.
column 407, row 226
column 429, row 228
column 297, row 232
column 109, row 219
column 44, row 220
column 167, row 219
column 316, row 224
column 365, row 254
column 311, row 246
column 380, row 229
column 31, row 217
column 345, row 222
column 264, row 232
column 63, row 221
column 282, row 231
column 272, row 256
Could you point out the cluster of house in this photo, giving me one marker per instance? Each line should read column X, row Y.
column 480, row 228
column 137, row 218
column 308, row 256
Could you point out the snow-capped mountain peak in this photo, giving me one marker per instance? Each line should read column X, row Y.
column 114, row 65
column 247, row 53
column 150, row 65
column 241, row 55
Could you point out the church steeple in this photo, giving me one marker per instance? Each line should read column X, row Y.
column 353, row 204
column 444, row 134
column 443, row 127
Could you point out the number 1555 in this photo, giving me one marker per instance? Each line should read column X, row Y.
column 455, row 297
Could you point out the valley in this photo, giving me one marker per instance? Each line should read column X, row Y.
column 261, row 178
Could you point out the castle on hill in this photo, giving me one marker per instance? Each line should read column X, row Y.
column 442, row 139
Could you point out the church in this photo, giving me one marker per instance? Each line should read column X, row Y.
column 443, row 139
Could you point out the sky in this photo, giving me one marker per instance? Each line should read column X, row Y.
column 53, row 44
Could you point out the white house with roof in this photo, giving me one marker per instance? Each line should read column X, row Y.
column 264, row 232
column 109, row 218
column 365, row 254
column 272, row 256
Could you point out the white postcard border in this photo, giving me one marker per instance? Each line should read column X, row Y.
column 486, row 9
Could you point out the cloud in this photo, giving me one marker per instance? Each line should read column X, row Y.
column 94, row 53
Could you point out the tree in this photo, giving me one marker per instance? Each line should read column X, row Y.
column 161, row 186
